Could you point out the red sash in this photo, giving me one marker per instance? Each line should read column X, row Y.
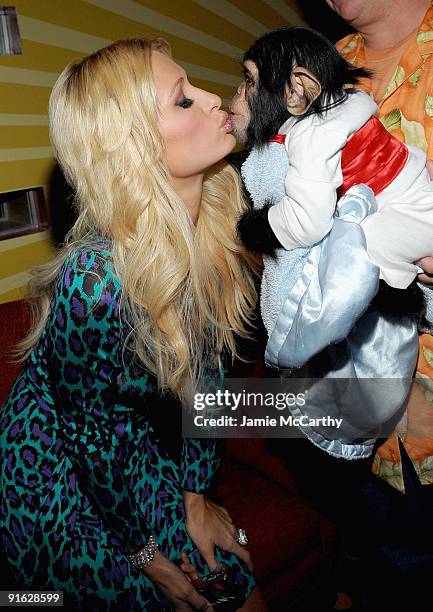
column 280, row 138
column 371, row 156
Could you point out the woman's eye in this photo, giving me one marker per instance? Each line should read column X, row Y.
column 184, row 102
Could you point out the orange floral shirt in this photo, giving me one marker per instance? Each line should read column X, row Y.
column 406, row 110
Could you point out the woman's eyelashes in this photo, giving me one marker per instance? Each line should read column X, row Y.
column 184, row 102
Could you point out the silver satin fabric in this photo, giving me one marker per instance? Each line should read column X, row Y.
column 315, row 306
column 324, row 333
column 336, row 285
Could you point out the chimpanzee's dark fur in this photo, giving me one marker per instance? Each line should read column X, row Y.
column 275, row 54
column 256, row 233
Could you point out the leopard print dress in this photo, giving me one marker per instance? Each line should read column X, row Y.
column 85, row 479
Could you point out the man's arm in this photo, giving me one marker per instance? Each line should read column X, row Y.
column 426, row 263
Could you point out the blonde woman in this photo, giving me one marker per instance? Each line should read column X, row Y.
column 136, row 311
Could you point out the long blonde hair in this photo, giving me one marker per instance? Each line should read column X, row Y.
column 186, row 290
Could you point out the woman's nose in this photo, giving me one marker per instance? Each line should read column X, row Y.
column 214, row 101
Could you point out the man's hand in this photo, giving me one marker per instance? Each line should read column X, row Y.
column 209, row 525
column 426, row 263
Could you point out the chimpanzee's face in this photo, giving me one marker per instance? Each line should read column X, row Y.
column 241, row 103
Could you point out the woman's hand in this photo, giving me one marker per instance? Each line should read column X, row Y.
column 174, row 584
column 210, row 525
column 188, row 569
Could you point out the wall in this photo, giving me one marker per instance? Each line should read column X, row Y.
column 207, row 38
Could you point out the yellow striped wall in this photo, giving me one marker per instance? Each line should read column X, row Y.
column 207, row 38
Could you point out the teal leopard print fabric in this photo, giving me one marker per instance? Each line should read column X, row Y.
column 85, row 477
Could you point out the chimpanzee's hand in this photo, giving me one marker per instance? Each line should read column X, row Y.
column 256, row 233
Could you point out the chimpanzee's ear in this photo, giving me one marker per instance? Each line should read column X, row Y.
column 303, row 89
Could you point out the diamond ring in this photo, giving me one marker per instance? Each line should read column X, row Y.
column 241, row 537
